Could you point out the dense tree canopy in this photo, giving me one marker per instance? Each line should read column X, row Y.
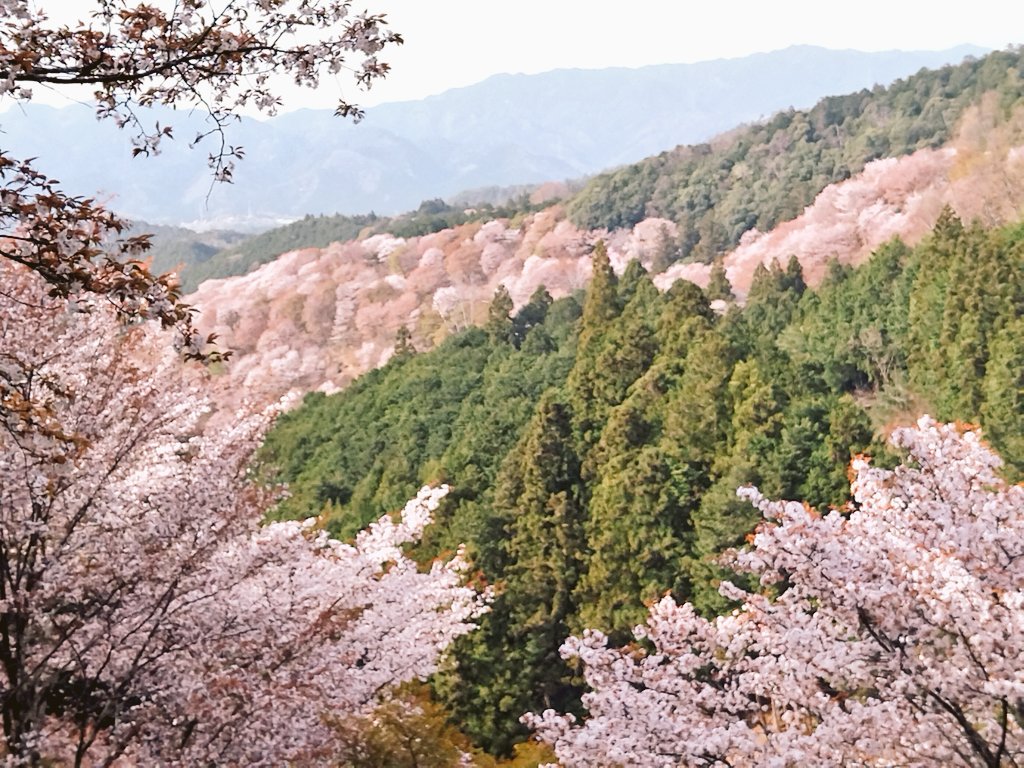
column 596, row 463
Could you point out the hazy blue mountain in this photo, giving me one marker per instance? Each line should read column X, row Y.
column 508, row 129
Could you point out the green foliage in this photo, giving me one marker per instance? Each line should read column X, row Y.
column 637, row 518
column 1003, row 391
column 403, row 343
column 511, row 663
column 666, row 250
column 595, row 451
column 531, row 315
column 436, row 215
column 307, row 232
column 499, row 321
column 719, row 288
column 968, row 288
column 855, row 327
column 356, row 457
column 763, row 174
column 353, row 455
column 599, row 310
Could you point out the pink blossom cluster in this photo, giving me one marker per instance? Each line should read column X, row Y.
column 890, row 633
column 146, row 614
column 316, row 318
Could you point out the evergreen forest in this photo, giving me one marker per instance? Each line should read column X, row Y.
column 594, row 444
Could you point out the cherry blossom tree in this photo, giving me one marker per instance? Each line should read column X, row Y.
column 145, row 614
column 219, row 57
column 891, row 633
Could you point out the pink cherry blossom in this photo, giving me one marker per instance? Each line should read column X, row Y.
column 146, row 615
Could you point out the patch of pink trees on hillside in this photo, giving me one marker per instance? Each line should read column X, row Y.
column 333, row 313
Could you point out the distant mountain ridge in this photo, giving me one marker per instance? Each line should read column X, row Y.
column 508, row 129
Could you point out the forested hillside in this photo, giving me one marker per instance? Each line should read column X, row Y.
column 763, row 174
column 595, row 443
column 750, row 179
column 477, row 485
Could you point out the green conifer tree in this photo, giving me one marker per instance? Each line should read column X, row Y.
column 587, row 378
column 531, row 315
column 403, row 344
column 1003, row 408
column 499, row 320
column 927, row 306
column 719, row 288
column 511, row 664
column 722, row 519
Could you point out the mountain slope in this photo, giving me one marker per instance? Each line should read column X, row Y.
column 595, row 454
column 760, row 175
column 318, row 317
column 595, row 443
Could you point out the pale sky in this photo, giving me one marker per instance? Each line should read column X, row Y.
column 451, row 43
column 458, row 42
